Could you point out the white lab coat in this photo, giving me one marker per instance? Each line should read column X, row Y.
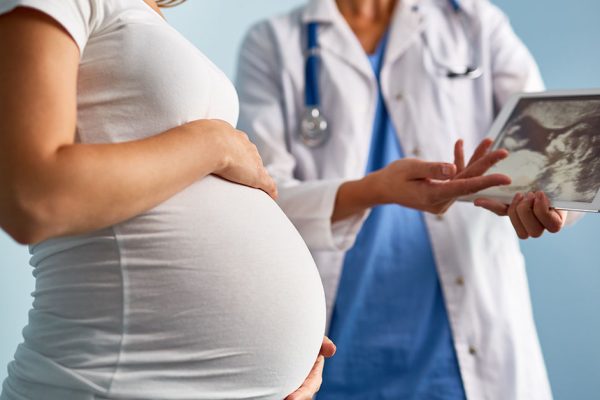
column 479, row 262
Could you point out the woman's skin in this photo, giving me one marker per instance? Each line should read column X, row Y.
column 426, row 186
column 52, row 186
column 312, row 384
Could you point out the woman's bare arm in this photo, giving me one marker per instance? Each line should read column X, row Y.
column 50, row 186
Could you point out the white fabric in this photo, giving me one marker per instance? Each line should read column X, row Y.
column 212, row 294
column 479, row 263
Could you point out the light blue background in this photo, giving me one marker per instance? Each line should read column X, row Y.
column 564, row 269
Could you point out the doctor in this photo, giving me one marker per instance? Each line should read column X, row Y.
column 421, row 306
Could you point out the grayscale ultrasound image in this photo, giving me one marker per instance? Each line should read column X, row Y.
column 554, row 146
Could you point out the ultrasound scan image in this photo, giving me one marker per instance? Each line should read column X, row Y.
column 554, row 147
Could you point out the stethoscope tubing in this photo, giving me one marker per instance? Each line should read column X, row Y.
column 314, row 125
column 312, row 96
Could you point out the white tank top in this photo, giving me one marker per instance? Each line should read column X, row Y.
column 212, row 294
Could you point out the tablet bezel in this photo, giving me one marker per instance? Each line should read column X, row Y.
column 496, row 133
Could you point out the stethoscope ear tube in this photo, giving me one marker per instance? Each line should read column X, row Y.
column 469, row 71
column 314, row 128
column 313, row 59
column 455, row 5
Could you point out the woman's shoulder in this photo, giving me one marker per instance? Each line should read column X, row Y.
column 77, row 17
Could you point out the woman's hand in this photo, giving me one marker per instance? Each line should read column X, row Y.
column 241, row 162
column 312, row 384
column 54, row 186
column 531, row 214
column 427, row 186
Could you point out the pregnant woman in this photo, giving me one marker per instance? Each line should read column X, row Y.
column 162, row 272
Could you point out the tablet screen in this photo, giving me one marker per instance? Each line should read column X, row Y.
column 554, row 146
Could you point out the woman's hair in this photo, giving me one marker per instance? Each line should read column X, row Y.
column 169, row 3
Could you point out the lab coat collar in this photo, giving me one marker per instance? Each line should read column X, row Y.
column 467, row 6
column 405, row 27
column 337, row 37
column 322, row 11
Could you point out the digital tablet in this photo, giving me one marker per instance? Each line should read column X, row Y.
column 554, row 143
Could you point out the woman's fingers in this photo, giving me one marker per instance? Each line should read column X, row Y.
column 268, row 184
column 483, row 164
column 494, row 206
column 327, row 348
column 312, row 384
column 514, row 217
column 459, row 156
column 527, row 217
column 481, row 150
column 552, row 219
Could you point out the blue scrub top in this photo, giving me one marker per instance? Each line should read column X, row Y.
column 389, row 322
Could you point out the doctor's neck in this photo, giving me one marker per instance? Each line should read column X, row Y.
column 368, row 19
column 367, row 9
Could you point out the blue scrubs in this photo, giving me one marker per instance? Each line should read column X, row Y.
column 390, row 322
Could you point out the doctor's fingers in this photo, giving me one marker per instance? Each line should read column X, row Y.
column 514, row 217
column 417, row 169
column 525, row 212
column 446, row 191
column 483, row 164
column 459, row 155
column 481, row 150
column 498, row 208
column 552, row 219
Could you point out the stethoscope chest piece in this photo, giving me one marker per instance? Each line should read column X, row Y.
column 314, row 129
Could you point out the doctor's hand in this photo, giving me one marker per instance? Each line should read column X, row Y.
column 312, row 384
column 425, row 186
column 239, row 161
column 531, row 214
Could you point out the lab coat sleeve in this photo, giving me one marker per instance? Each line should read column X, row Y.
column 308, row 204
column 514, row 69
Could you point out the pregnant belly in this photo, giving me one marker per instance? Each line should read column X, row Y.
column 211, row 295
column 222, row 297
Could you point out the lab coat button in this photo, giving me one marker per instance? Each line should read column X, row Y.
column 416, row 152
column 399, row 97
column 460, row 281
column 472, row 351
column 439, row 217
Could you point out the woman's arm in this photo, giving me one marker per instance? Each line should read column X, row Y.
column 313, row 382
column 51, row 186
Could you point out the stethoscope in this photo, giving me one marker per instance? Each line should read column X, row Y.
column 314, row 127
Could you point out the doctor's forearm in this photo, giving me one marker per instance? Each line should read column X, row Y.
column 354, row 197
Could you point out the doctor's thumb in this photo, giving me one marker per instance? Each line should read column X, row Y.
column 432, row 170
